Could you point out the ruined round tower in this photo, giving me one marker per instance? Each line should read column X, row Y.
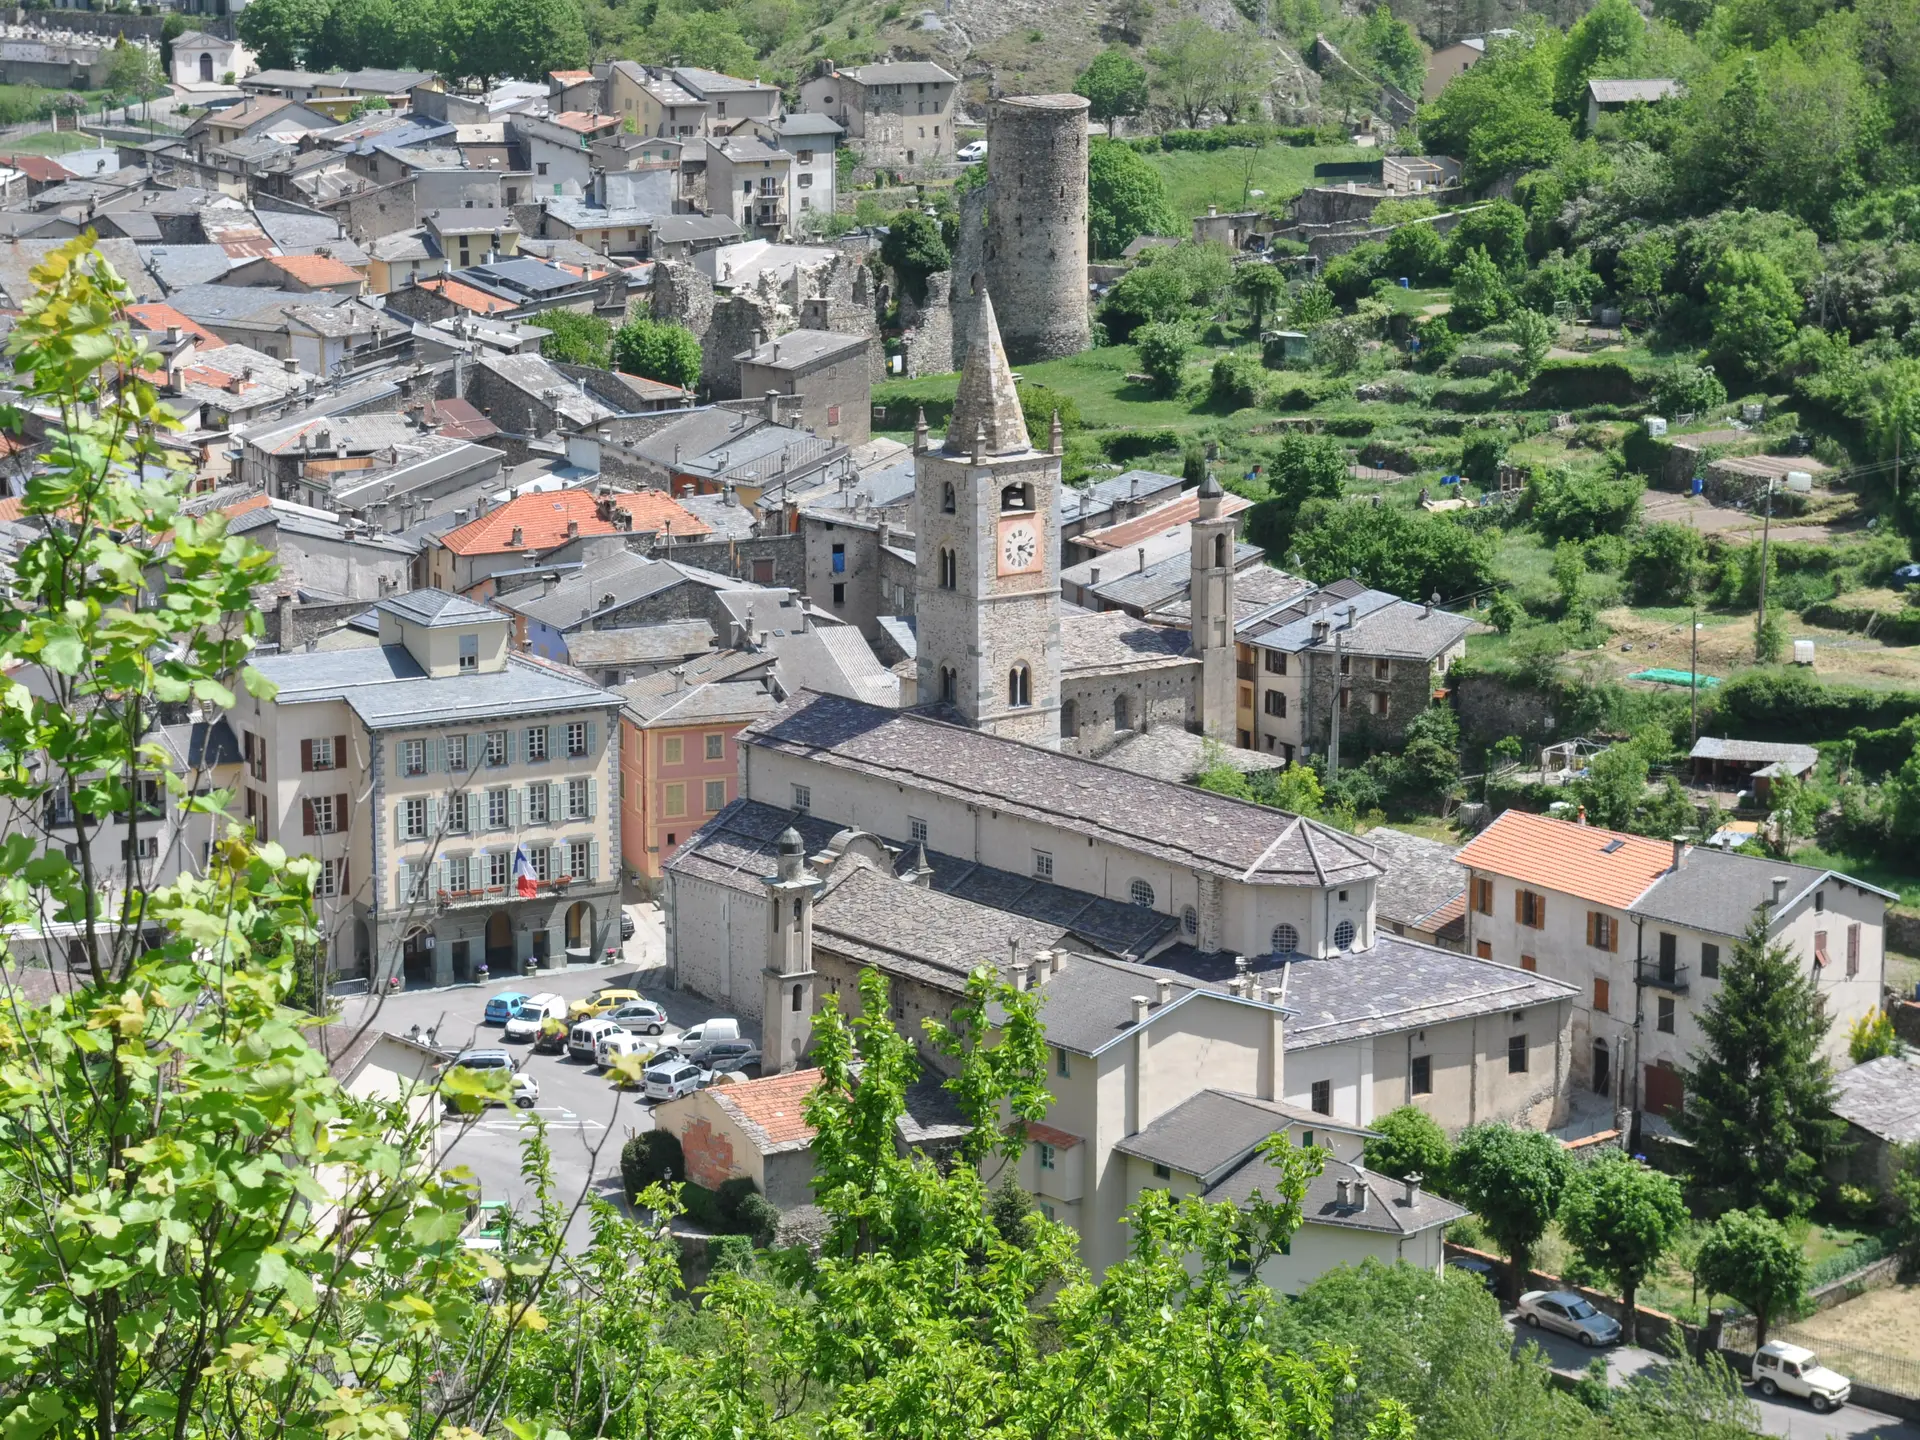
column 1036, row 253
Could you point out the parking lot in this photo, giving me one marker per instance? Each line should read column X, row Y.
column 587, row 1117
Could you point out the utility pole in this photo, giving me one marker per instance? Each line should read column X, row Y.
column 1693, row 676
column 1766, row 535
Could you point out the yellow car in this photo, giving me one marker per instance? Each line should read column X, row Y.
column 600, row 1002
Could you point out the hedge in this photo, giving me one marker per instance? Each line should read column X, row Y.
column 649, row 1159
column 1127, row 445
column 1892, row 627
column 1565, row 384
column 1227, row 137
column 1791, row 705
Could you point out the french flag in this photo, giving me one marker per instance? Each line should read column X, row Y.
column 524, row 885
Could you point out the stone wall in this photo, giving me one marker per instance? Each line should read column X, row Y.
column 372, row 214
column 1490, row 708
column 787, row 554
column 1164, row 695
column 1037, row 225
column 926, row 339
column 836, row 296
column 1408, row 688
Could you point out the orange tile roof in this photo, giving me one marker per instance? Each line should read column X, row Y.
column 773, row 1105
column 656, row 512
column 1047, row 1135
column 41, row 169
column 241, row 507
column 316, row 269
column 157, row 316
column 571, row 74
column 465, row 296
column 11, row 507
column 584, row 121
column 1141, row 527
column 1580, row 860
column 541, row 518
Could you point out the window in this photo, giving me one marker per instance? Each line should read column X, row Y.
column 1603, row 931
column 1162, row 1172
column 1709, row 962
column 147, row 847
column 542, row 859
column 1018, row 496
column 457, row 813
column 1042, row 865
column 676, row 799
column 1820, row 948
column 1019, row 687
column 1346, row 664
column 1382, row 669
column 576, row 738
column 580, row 859
column 1346, row 700
column 1853, row 951
column 1323, row 1097
column 839, row 592
column 1190, row 920
column 497, row 809
column 1276, row 662
column 579, row 799
column 456, row 754
column 1669, row 953
column 536, row 742
column 949, row 569
column 1665, row 1022
column 1482, row 891
column 716, row 796
column 671, row 750
column 1286, row 939
column 1382, row 702
column 1141, row 893
column 716, row 747
column 498, row 867
column 946, row 499
column 1530, row 909
column 540, row 167
column 1046, row 1157
column 916, row 830
column 1070, row 719
column 799, row 998
column 1421, row 1079
column 949, row 684
column 318, row 754
column 803, row 798
column 469, row 645
column 1062, row 1063
column 496, row 747
column 1602, row 995
column 1482, row 950
column 332, row 879
column 1122, row 712
column 1819, row 902
column 1528, row 962
column 324, row 814
column 1343, row 935
column 1275, row 704
column 413, row 757
column 1516, row 1054
column 839, row 559
column 413, row 819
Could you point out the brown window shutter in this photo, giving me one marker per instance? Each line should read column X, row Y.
column 340, row 813
column 1519, row 907
column 307, row 826
column 342, row 886
column 1539, row 912
column 339, row 752
column 306, row 756
column 1613, row 936
column 1593, row 929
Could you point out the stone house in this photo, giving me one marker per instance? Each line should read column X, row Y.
column 756, row 1131
column 751, row 183
column 830, row 373
column 893, row 114
column 1880, row 1102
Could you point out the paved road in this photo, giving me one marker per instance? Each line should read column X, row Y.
column 1778, row 1416
column 587, row 1118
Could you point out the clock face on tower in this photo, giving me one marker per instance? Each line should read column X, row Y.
column 1019, row 546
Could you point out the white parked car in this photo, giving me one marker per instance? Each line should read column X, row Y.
column 1779, row 1367
column 586, row 1035
column 616, row 1043
column 671, row 1079
column 643, row 1017
column 523, row 1087
column 525, row 1023
column 970, row 153
column 705, row 1033
column 1569, row 1314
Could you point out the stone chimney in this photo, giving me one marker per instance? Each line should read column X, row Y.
column 517, row 539
column 1410, row 1194
column 1140, row 1007
column 1779, row 890
column 1019, row 968
column 920, row 431
column 773, row 407
column 1679, row 850
column 1164, row 987
column 283, row 615
column 1056, row 441
column 1342, row 1193
column 1054, row 959
column 1359, row 1194
column 573, row 529
column 291, row 365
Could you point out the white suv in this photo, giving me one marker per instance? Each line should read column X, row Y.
column 586, row 1036
column 525, row 1023
column 1778, row 1366
column 671, row 1079
column 522, row 1086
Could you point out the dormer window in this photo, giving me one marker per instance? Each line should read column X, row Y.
column 469, row 653
column 1016, row 497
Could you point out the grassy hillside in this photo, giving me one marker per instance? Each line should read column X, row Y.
column 1196, row 179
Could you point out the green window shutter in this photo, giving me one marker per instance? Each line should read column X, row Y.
column 513, row 808
column 593, row 736
column 436, row 814
column 400, row 820
column 593, row 860
column 513, row 746
column 556, row 741
column 593, row 797
column 557, row 801
column 406, row 884
column 436, row 755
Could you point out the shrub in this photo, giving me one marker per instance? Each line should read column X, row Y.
column 1234, row 382
column 1579, row 507
column 729, row 1254
column 650, row 1159
column 1688, row 390
column 1481, row 454
column 1163, row 354
column 1663, row 565
column 1408, row 1141
column 1415, row 253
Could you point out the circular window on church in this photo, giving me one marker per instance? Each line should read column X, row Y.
column 1190, row 920
column 1286, row 940
column 1343, row 934
column 1141, row 893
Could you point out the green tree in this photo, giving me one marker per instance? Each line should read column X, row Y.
column 1663, row 565
column 658, row 350
column 1336, row 345
column 1193, row 66
column 1563, row 505
column 1499, row 228
column 1429, row 768
column 1514, row 1181
column 1620, row 1217
column 1480, row 294
column 915, row 249
column 1753, row 310
column 1312, row 305
column 1126, row 198
column 1498, row 117
column 1394, row 50
column 576, row 339
column 1262, row 287
column 1606, row 41
column 1752, row 1257
column 281, row 33
column 1416, row 253
column 1614, row 787
column 710, row 38
column 1408, row 1141
column 1406, row 552
column 1115, row 84
column 1535, row 334
column 1163, row 354
column 1871, row 1037
column 1688, row 390
column 1759, row 1094
column 1300, row 467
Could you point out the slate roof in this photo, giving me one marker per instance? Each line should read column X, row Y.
column 1110, row 641
column 1719, row 892
column 1173, row 513
column 1603, row 866
column 625, row 577
column 1383, row 625
column 639, row 644
column 698, row 704
column 1882, row 1097
column 1210, row 1134
column 1386, row 1210
column 803, row 124
column 1621, row 92
column 1167, row 579
column 1101, row 496
column 907, row 72
column 1245, row 842
column 802, row 349
column 436, row 608
column 1422, row 876
column 1167, row 752
column 674, row 229
column 387, row 689
column 1755, row 752
column 737, row 846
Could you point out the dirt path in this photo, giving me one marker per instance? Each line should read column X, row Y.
column 1710, row 519
column 1727, row 646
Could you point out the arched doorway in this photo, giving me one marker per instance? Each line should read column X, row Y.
column 1602, row 1068
column 499, row 942
column 416, row 958
column 206, row 67
column 579, row 925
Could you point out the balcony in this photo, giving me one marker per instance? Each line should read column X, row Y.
column 1245, row 669
column 1661, row 976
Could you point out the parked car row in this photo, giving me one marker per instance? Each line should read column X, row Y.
column 615, row 1022
column 524, row 1088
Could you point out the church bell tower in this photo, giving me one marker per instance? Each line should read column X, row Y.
column 987, row 552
